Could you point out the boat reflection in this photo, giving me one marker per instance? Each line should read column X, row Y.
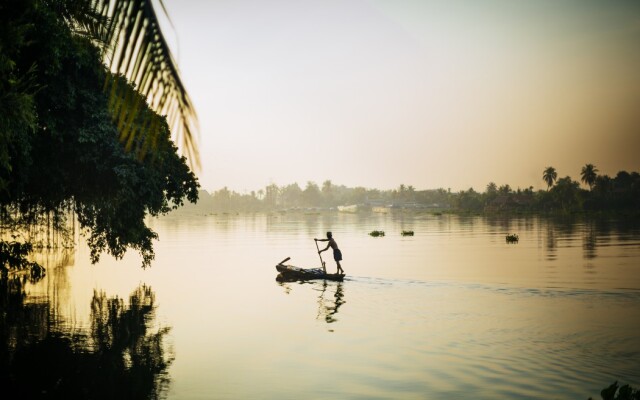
column 330, row 298
column 328, row 308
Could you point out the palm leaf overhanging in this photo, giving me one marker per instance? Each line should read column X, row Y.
column 136, row 49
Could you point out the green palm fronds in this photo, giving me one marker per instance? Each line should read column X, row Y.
column 128, row 32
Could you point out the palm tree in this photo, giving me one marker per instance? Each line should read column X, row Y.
column 549, row 176
column 133, row 45
column 589, row 174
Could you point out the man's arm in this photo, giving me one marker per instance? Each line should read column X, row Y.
column 326, row 248
column 323, row 240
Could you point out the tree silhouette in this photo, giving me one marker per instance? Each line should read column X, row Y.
column 589, row 174
column 566, row 194
column 549, row 176
column 492, row 188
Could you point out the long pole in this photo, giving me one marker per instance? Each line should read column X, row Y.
column 320, row 255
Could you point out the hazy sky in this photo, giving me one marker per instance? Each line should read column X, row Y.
column 376, row 93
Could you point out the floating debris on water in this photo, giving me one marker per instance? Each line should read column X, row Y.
column 407, row 233
column 513, row 238
column 376, row 233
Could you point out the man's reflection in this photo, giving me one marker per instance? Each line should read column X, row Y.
column 328, row 307
column 330, row 299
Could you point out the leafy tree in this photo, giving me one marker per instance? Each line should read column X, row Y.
column 311, row 194
column 357, row 196
column 549, row 176
column 410, row 193
column 272, row 194
column 626, row 187
column 603, row 184
column 565, row 194
column 470, row 200
column 505, row 189
column 492, row 188
column 291, row 195
column 222, row 199
column 73, row 157
column 18, row 117
column 589, row 174
column 623, row 180
column 328, row 193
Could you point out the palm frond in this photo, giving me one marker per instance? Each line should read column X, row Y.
column 138, row 51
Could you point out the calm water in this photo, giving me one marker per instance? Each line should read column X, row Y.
column 451, row 312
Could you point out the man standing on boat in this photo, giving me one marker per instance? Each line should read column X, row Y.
column 337, row 254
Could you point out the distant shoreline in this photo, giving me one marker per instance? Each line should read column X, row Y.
column 197, row 211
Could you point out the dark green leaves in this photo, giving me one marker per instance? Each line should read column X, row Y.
column 77, row 154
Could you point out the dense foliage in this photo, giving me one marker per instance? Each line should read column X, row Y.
column 59, row 147
column 329, row 195
column 564, row 195
column 619, row 194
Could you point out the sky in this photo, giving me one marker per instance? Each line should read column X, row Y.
column 435, row 94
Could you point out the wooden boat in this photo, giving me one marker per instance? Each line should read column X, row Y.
column 293, row 273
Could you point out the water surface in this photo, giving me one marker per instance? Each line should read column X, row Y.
column 451, row 312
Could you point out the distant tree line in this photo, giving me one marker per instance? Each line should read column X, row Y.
column 327, row 195
column 564, row 195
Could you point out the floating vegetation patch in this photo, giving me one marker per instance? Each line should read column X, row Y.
column 376, row 233
column 625, row 392
column 513, row 238
column 406, row 233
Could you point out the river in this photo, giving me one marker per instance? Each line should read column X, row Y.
column 453, row 311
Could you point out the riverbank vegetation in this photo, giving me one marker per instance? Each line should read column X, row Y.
column 80, row 146
column 601, row 193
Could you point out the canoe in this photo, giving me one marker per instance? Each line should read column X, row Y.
column 293, row 273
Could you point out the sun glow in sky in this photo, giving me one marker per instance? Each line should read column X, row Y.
column 375, row 93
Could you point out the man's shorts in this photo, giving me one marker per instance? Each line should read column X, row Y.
column 337, row 255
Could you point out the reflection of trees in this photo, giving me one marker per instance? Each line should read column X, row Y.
column 589, row 240
column 122, row 356
column 558, row 228
column 19, row 322
column 551, row 243
column 499, row 222
column 626, row 229
column 564, row 224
